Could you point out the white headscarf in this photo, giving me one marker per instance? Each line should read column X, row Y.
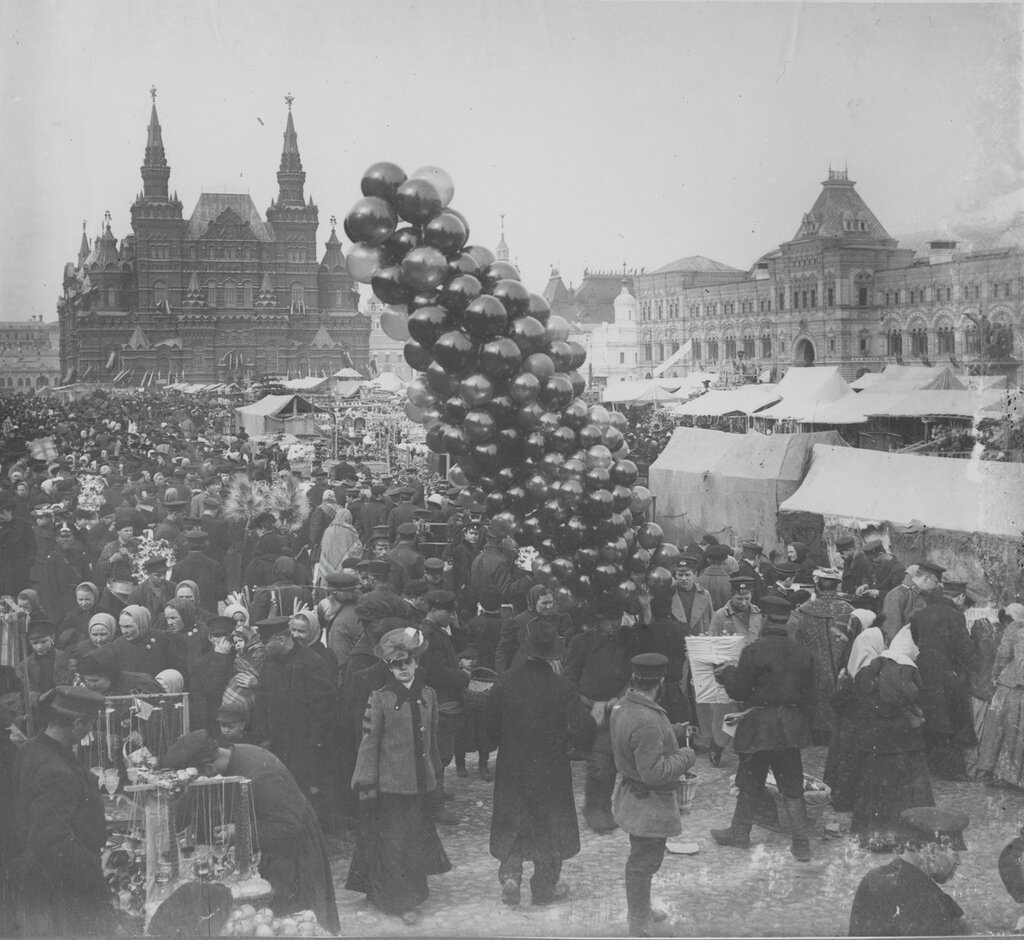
column 903, row 649
column 868, row 645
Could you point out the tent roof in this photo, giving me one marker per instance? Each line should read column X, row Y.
column 866, row 380
column 909, row 378
column 746, row 399
column 805, row 391
column 271, row 405
column 986, row 381
column 307, row 384
column 647, row 390
column 388, row 381
column 965, row 403
column 348, row 389
column 940, row 492
column 346, row 373
column 750, row 456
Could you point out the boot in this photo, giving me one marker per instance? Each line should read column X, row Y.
column 738, row 834
column 800, row 845
column 483, row 769
column 644, row 920
column 597, row 797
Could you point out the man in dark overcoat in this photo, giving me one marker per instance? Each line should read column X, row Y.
column 774, row 680
column 494, row 579
column 535, row 717
column 295, row 702
column 17, row 549
column 203, row 569
column 62, row 829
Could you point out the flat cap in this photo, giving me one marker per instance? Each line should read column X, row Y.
column 935, row 824
column 343, row 580
column 221, row 626
column 191, row 750
column 717, row 552
column 407, row 529
column 845, row 541
column 932, row 568
column 649, row 665
column 440, row 600
column 378, row 567
column 72, row 700
column 434, row 564
column 272, row 626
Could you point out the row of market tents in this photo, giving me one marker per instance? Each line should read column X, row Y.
column 820, row 396
column 968, row 515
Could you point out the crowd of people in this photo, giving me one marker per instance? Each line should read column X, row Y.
column 348, row 654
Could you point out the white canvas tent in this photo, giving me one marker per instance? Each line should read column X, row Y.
column 965, row 514
column 804, row 392
column 640, row 392
column 277, row 414
column 745, row 400
column 387, row 382
column 949, row 403
column 896, row 379
column 730, row 485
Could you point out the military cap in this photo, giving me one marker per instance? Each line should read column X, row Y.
column 498, row 528
column 774, row 604
column 342, row 581
column 953, row 588
column 434, row 564
column 873, row 545
column 406, row 529
column 741, row 582
column 272, row 626
column 845, row 541
column 72, row 701
column 191, row 750
column 378, row 567
column 752, row 546
column 377, row 489
column 440, row 600
column 221, row 626
column 211, row 502
column 123, row 518
column 542, row 640
column 380, row 532
column 649, row 665
column 690, row 560
column 40, row 628
column 231, row 712
column 195, row 536
column 155, row 563
column 469, row 651
column 401, row 645
column 373, row 609
column 932, row 568
column 716, row 552
column 415, row 588
column 934, row 824
column 319, row 472
column 785, row 569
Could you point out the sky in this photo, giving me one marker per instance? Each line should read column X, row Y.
column 607, row 133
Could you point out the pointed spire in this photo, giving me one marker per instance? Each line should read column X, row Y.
column 155, row 171
column 290, row 177
column 502, row 251
column 83, row 249
column 333, row 259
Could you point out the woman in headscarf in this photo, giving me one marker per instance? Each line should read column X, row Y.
column 246, row 668
column 842, row 766
column 894, row 774
column 796, row 554
column 189, row 591
column 28, row 601
column 1001, row 757
column 139, row 648
column 464, row 548
column 75, row 626
column 540, row 603
column 339, row 541
column 190, row 638
column 101, row 631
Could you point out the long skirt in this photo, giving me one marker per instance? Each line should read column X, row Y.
column 891, row 783
column 844, row 765
column 979, row 712
column 1002, row 743
column 396, row 848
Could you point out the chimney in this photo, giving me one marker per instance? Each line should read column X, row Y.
column 941, row 252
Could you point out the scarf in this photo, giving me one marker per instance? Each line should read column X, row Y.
column 902, row 649
column 171, row 681
column 107, row 620
column 867, row 647
column 233, row 609
column 89, row 586
column 195, row 591
column 141, row 616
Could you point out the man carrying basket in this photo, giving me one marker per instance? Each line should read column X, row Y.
column 775, row 680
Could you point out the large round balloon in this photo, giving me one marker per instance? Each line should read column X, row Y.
column 509, row 441
column 571, row 492
column 579, row 384
column 446, row 232
column 419, row 393
column 563, row 441
column 619, row 420
column 487, row 455
column 598, row 456
column 382, row 179
column 483, row 256
column 441, row 181
column 414, row 414
column 390, row 286
column 456, row 408
column 498, row 271
column 427, row 325
column 362, row 262
column 597, row 504
column 417, row 357
column 614, row 550
column 624, row 472
column 484, row 318
column 394, row 324
column 557, row 328
column 551, row 462
column 528, row 335
column 456, row 352
column 540, row 365
column 587, row 557
column 642, row 500
column 479, row 426
column 495, row 502
column 627, row 595
column 536, row 487
column 456, row 474
column 589, row 436
column 622, row 496
column 400, row 244
column 524, row 389
column 539, row 308
column 599, row 416
column 434, row 438
column 463, row 263
column 503, row 409
column 534, row 445
column 660, row 581
column 441, row 383
column 556, row 394
column 459, row 292
column 613, row 439
column 500, row 358
column 639, row 561
column 597, row 478
column 529, row 416
column 418, row 201
column 431, row 416
column 666, row 555
column 424, row 268
column 476, row 389
column 455, row 443
column 514, row 296
column 607, row 576
column 549, row 423
column 579, row 354
column 561, row 355
column 370, row 221
column 650, row 535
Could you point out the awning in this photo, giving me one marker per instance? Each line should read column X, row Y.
column 744, row 400
column 950, row 403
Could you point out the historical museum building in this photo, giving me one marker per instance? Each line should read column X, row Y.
column 841, row 292
column 224, row 295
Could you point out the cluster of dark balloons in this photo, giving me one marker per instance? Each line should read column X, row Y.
column 500, row 392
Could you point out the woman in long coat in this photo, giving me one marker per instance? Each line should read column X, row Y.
column 535, row 717
column 397, row 845
column 894, row 772
column 1001, row 757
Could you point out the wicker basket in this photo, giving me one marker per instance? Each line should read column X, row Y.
column 686, row 786
column 481, row 684
column 815, row 800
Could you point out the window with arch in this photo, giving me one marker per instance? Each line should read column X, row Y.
column 298, row 296
column 945, row 343
column 730, row 347
column 211, row 293
column 864, row 342
column 247, row 289
column 971, row 345
column 230, row 294
column 894, row 341
column 695, row 348
column 159, row 292
column 713, row 350
column 749, row 346
column 766, row 345
column 111, row 297
column 918, row 340
column 782, row 300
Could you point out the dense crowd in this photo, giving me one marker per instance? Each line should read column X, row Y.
column 349, row 640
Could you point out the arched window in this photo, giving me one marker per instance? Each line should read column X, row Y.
column 230, row 294
column 749, row 346
column 247, row 288
column 298, row 297
column 42, row 380
column 695, row 348
column 918, row 340
column 730, row 347
column 945, row 343
column 713, row 350
column 111, row 298
column 766, row 345
column 211, row 293
column 894, row 339
column 159, row 293
column 971, row 345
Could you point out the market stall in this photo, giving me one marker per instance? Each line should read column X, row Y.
column 276, row 414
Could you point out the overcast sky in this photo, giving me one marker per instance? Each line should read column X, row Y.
column 607, row 133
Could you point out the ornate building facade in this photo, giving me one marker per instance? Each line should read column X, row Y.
column 841, row 292
column 224, row 295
